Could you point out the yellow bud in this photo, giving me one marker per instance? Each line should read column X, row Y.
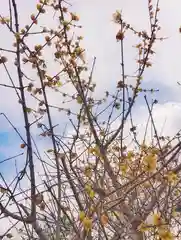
column 17, row 36
column 81, row 216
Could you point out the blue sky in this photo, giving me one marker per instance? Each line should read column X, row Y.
column 99, row 40
column 3, row 142
column 9, row 147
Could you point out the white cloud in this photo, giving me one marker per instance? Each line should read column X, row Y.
column 99, row 41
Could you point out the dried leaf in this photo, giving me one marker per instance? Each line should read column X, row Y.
column 104, row 219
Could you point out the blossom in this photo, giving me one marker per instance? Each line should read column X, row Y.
column 88, row 171
column 130, row 155
column 95, row 151
column 87, row 223
column 81, row 216
column 172, row 177
column 4, row 20
column 164, row 233
column 157, row 220
column 74, row 17
column 123, row 168
column 117, row 17
column 150, row 162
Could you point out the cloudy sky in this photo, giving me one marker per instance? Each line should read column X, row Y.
column 99, row 33
column 99, row 40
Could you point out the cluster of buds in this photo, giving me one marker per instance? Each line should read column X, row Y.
column 4, row 20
